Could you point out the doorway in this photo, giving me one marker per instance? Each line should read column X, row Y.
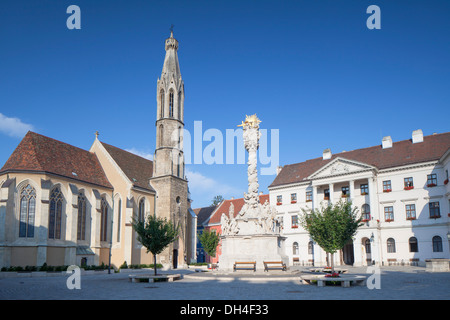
column 175, row 258
column 348, row 254
column 367, row 251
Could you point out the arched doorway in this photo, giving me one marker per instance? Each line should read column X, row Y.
column 175, row 259
column 367, row 251
column 349, row 257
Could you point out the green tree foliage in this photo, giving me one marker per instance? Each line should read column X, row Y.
column 331, row 227
column 217, row 199
column 209, row 241
column 155, row 234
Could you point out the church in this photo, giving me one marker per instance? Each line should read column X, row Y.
column 62, row 205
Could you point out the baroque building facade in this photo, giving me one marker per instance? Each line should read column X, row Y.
column 62, row 205
column 401, row 189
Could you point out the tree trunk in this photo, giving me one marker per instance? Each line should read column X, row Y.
column 332, row 262
column 154, row 263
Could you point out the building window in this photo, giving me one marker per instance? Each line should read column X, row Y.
column 434, row 210
column 364, row 189
column 27, row 212
column 387, row 186
column 293, row 198
column 294, row 220
column 365, row 211
column 295, row 248
column 367, row 246
column 310, row 247
column 179, row 105
column 119, row 219
column 279, row 200
column 345, row 192
column 389, row 214
column 326, row 194
column 104, row 220
column 432, row 180
column 437, row 244
column 410, row 211
column 171, row 106
column 390, row 245
column 81, row 223
column 409, row 184
column 413, row 247
column 161, row 98
column 55, row 214
column 308, row 196
column 141, row 212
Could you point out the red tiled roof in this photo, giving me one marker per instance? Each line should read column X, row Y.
column 224, row 207
column 138, row 170
column 38, row 153
column 401, row 153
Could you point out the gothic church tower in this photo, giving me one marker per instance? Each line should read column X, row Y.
column 168, row 178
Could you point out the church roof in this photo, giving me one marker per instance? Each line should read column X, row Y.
column 204, row 213
column 224, row 207
column 137, row 169
column 401, row 153
column 41, row 154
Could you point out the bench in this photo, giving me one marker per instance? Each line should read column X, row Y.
column 250, row 265
column 152, row 278
column 345, row 281
column 274, row 265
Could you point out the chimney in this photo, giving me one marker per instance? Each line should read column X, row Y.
column 279, row 169
column 326, row 154
column 417, row 136
column 386, row 142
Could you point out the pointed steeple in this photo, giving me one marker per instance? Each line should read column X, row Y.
column 171, row 68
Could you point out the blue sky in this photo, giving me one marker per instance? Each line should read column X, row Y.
column 311, row 69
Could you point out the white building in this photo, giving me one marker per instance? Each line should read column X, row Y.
column 401, row 190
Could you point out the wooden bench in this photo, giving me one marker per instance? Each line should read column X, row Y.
column 250, row 265
column 274, row 265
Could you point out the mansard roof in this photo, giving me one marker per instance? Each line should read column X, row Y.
column 224, row 207
column 40, row 154
column 401, row 153
column 137, row 169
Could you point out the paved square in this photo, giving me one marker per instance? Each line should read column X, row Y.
column 402, row 283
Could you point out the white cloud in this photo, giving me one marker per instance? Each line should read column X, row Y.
column 203, row 189
column 143, row 154
column 14, row 127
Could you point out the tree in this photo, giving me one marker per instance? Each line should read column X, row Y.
column 209, row 241
column 217, row 199
column 155, row 234
column 331, row 227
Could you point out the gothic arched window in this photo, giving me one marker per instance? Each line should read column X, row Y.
column 27, row 212
column 55, row 214
column 171, row 106
column 161, row 99
column 179, row 105
column 81, row 223
column 104, row 220
column 161, row 131
column 141, row 213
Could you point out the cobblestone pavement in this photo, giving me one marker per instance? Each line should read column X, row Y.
column 404, row 283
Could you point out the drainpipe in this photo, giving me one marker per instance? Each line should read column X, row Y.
column 111, row 233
